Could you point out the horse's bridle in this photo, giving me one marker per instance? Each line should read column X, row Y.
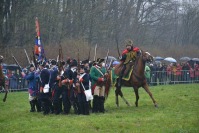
column 135, row 66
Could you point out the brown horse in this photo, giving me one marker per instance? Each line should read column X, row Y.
column 137, row 79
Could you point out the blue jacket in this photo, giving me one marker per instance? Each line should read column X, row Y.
column 32, row 80
column 53, row 74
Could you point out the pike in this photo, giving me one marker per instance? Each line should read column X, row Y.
column 27, row 56
column 95, row 52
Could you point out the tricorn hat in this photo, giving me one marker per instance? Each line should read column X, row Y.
column 73, row 63
column 129, row 42
column 53, row 62
column 85, row 61
column 99, row 60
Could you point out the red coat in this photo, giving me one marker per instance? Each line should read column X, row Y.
column 179, row 70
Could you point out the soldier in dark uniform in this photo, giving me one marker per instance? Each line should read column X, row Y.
column 57, row 88
column 67, row 83
column 44, row 80
column 53, row 80
column 82, row 85
column 73, row 92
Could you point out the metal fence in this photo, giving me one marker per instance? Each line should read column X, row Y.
column 169, row 77
column 17, row 84
column 156, row 78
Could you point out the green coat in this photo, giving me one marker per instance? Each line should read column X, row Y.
column 95, row 74
column 147, row 72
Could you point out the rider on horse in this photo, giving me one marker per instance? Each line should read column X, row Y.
column 128, row 55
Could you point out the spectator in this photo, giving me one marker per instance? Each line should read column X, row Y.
column 147, row 73
column 196, row 69
column 179, row 73
column 186, row 68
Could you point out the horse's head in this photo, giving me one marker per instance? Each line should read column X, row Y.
column 148, row 57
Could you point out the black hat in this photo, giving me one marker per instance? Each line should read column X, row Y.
column 63, row 62
column 53, row 62
column 68, row 60
column 99, row 60
column 82, row 66
column 31, row 65
column 85, row 61
column 73, row 63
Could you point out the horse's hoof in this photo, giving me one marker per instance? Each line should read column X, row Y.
column 156, row 105
column 128, row 104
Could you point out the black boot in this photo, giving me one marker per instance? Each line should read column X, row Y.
column 95, row 104
column 80, row 108
column 101, row 104
column 86, row 108
column 56, row 108
column 32, row 106
column 45, row 106
column 38, row 106
column 119, row 83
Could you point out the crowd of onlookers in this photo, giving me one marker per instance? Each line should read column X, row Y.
column 173, row 73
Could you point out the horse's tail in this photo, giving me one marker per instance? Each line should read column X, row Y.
column 107, row 86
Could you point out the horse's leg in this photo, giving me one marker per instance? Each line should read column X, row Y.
column 118, row 91
column 146, row 87
column 116, row 97
column 136, row 95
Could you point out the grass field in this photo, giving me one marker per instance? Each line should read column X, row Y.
column 178, row 112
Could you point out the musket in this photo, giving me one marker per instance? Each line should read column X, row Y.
column 34, row 59
column 95, row 52
column 60, row 65
column 27, row 56
column 17, row 63
column 89, row 54
column 78, row 62
column 106, row 59
column 61, row 53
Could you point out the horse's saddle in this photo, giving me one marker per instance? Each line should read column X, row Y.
column 119, row 67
